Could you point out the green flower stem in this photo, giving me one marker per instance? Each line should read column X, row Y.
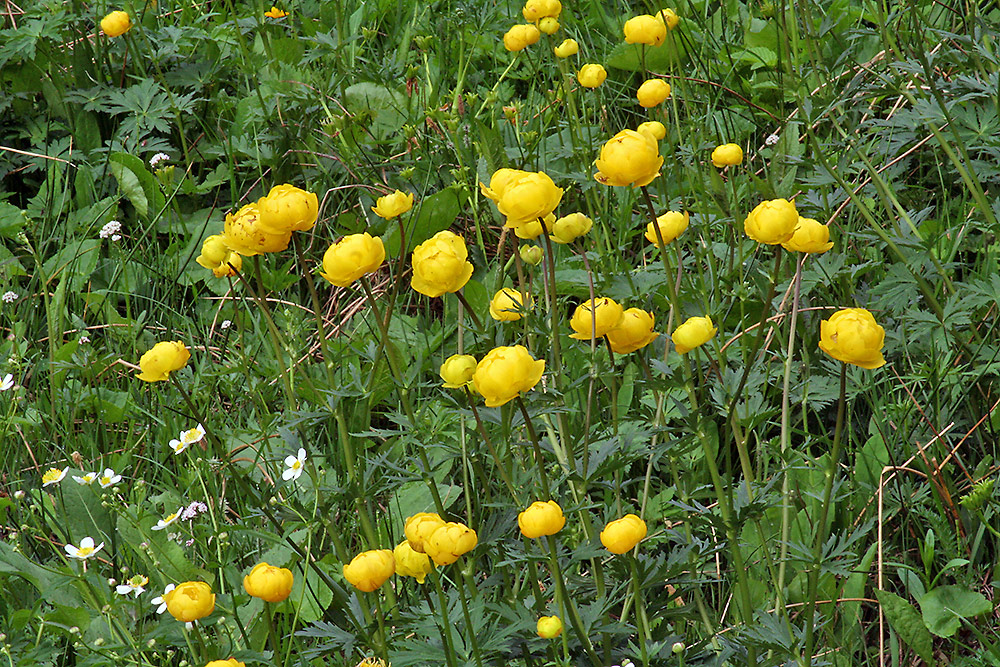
column 383, row 644
column 574, row 615
column 469, row 628
column 470, row 310
column 642, row 624
column 470, row 399
column 272, row 630
column 449, row 642
column 550, row 263
column 831, row 473
column 539, row 459
column 317, row 311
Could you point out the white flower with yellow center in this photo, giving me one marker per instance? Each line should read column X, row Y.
column 87, row 479
column 187, row 438
column 136, row 585
column 54, row 476
column 167, row 520
column 295, row 465
column 7, row 382
column 109, row 478
column 85, row 550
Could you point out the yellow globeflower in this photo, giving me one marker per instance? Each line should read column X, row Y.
column 449, row 542
column 652, row 92
column 853, row 336
column 528, row 197
column 520, row 37
column 569, row 47
column 218, row 257
column 116, row 24
column 591, row 75
column 628, row 158
column 457, row 370
column 596, row 317
column 535, row 10
column 772, row 222
column 190, row 601
column 506, row 372
column 411, row 563
column 653, row 128
column 645, row 29
column 245, row 235
column 668, row 17
column 507, row 305
column 351, row 257
column 571, row 227
column 623, row 534
column 499, row 181
column 269, row 583
column 390, row 206
column 634, row 332
column 696, row 331
column 672, row 224
column 231, row 662
column 158, row 363
column 810, row 236
column 540, row 519
column 275, row 13
column 287, row 208
column 420, row 527
column 549, row 25
column 549, row 627
column 370, row 569
column 440, row 265
column 727, row 154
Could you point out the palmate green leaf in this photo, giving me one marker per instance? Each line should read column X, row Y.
column 944, row 608
column 907, row 623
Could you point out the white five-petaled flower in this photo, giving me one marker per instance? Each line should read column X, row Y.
column 135, row 585
column 109, row 478
column 158, row 600
column 9, row 297
column 54, row 476
column 167, row 520
column 7, row 382
column 295, row 465
column 187, row 438
column 87, row 479
column 85, row 550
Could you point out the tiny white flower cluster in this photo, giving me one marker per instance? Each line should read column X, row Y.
column 225, row 324
column 157, row 159
column 193, row 510
column 772, row 139
column 9, row 297
column 112, row 231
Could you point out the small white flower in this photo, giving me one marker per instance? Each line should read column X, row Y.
column 295, row 465
column 193, row 510
column 116, row 237
column 84, row 340
column 109, row 478
column 85, row 550
column 109, row 230
column 167, row 520
column 157, row 159
column 19, row 495
column 225, row 324
column 136, row 585
column 187, row 438
column 9, row 297
column 772, row 139
column 87, row 479
column 54, row 476
column 7, row 382
column 158, row 600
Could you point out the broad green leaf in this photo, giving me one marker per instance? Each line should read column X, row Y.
column 905, row 620
column 434, row 214
column 945, row 607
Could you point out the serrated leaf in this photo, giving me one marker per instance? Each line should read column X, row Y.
column 906, row 621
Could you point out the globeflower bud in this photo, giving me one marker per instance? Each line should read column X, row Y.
column 532, row 254
column 645, row 29
column 772, row 222
column 165, row 357
column 652, row 92
column 727, row 154
column 420, row 527
column 810, row 236
column 569, row 47
column 548, row 25
column 351, row 257
column 596, row 317
column 853, row 337
column 652, row 128
column 668, row 17
column 696, row 331
column 390, row 206
column 449, row 542
column 628, row 158
column 672, row 224
column 116, row 24
column 634, row 332
column 506, row 372
column 370, row 569
column 520, row 37
column 269, row 583
column 457, row 370
column 571, row 227
column 507, row 305
column 190, row 601
column 540, row 519
column 623, row 534
column 549, row 627
column 591, row 75
column 218, row 257
column 411, row 563
column 440, row 264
